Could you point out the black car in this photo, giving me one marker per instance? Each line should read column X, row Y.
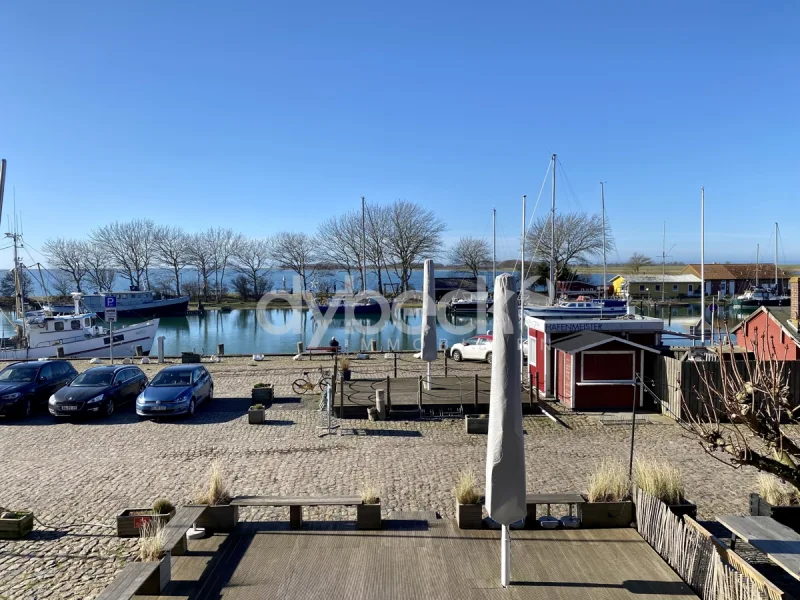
column 176, row 390
column 26, row 385
column 98, row 391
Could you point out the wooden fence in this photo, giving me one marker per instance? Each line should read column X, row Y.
column 709, row 567
column 680, row 387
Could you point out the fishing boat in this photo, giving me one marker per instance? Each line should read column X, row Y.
column 472, row 304
column 339, row 306
column 132, row 303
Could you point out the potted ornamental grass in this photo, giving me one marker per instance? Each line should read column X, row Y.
column 256, row 414
column 263, row 393
column 608, row 498
column 131, row 520
column 469, row 503
column 152, row 539
column 345, row 365
column 15, row 524
column 368, row 513
column 220, row 516
column 777, row 500
column 663, row 481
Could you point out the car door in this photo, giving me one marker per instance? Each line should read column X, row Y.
column 125, row 387
column 472, row 349
column 137, row 382
column 46, row 383
column 200, row 391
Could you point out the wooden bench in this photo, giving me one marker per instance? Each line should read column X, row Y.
column 295, row 504
column 778, row 542
column 533, row 500
column 178, row 526
column 129, row 580
column 322, row 351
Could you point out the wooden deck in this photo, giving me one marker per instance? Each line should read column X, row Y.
column 420, row 559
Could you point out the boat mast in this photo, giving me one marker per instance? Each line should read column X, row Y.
column 663, row 261
column 758, row 265
column 494, row 245
column 603, row 210
column 553, row 274
column 363, row 245
column 522, row 271
column 702, row 266
column 776, row 258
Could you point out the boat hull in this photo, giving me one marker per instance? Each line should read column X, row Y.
column 171, row 307
column 559, row 311
column 756, row 303
column 469, row 307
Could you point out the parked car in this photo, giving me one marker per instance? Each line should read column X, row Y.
column 26, row 385
column 99, row 390
column 475, row 348
column 176, row 390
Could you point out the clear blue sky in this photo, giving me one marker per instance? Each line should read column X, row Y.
column 268, row 116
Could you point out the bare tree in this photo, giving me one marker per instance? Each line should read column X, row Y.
column 61, row 282
column 170, row 250
column 68, row 256
column 472, row 253
column 748, row 414
column 252, row 261
column 130, row 246
column 579, row 236
column 200, row 255
column 224, row 243
column 378, row 231
column 637, row 261
column 297, row 252
column 340, row 242
column 416, row 233
column 100, row 272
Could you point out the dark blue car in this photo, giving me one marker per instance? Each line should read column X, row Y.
column 176, row 390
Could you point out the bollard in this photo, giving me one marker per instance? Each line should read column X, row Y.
column 60, row 352
column 220, row 349
column 373, row 346
column 299, row 347
column 161, row 339
column 394, row 356
column 380, row 404
column 139, row 351
column 445, row 362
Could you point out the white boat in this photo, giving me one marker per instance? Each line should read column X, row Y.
column 47, row 335
column 588, row 308
column 131, row 304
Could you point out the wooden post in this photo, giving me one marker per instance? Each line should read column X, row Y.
column 530, row 394
column 334, row 382
column 475, row 390
column 537, row 385
column 388, row 396
column 419, row 392
column 373, row 346
column 299, row 347
column 445, row 363
column 394, row 354
column 220, row 349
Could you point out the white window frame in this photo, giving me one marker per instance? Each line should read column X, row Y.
column 630, row 381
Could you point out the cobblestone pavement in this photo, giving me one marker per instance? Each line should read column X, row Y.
column 72, row 473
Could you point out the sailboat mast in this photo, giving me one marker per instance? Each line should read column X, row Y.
column 603, row 210
column 553, row 274
column 523, row 331
column 494, row 245
column 758, row 265
column 776, row 258
column 363, row 244
column 663, row 261
column 702, row 265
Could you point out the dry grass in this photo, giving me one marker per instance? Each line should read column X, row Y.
column 774, row 492
column 216, row 493
column 659, row 479
column 162, row 506
column 466, row 490
column 151, row 541
column 369, row 495
column 609, row 483
column 344, row 364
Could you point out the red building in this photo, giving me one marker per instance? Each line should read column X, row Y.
column 591, row 364
column 772, row 330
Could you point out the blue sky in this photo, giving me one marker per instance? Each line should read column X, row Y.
column 270, row 116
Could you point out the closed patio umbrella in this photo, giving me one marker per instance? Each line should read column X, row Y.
column 428, row 349
column 505, row 453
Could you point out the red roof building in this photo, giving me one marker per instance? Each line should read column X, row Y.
column 772, row 331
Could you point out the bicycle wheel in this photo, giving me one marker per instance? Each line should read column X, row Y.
column 300, row 386
column 324, row 382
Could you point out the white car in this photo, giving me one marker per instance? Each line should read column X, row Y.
column 475, row 348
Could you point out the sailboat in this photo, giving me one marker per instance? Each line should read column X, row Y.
column 763, row 295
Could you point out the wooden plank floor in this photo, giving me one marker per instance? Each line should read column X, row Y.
column 417, row 560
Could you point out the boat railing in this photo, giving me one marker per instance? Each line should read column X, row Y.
column 62, row 341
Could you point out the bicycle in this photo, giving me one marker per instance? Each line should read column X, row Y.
column 305, row 385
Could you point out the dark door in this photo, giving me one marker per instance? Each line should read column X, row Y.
column 46, row 384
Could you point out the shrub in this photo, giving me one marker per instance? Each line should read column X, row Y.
column 216, row 493
column 162, row 506
column 659, row 479
column 466, row 490
column 151, row 541
column 771, row 490
column 257, row 407
column 262, row 385
column 609, row 483
column 369, row 495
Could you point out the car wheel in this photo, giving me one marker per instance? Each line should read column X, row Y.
column 457, row 356
column 489, row 357
column 191, row 407
column 109, row 407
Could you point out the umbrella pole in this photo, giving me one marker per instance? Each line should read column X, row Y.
column 505, row 557
column 429, row 375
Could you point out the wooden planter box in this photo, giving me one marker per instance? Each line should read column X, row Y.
column 263, row 395
column 368, row 516
column 469, row 516
column 219, row 519
column 602, row 515
column 155, row 584
column 131, row 520
column 477, row 424
column 786, row 515
column 687, row 508
column 190, row 357
column 17, row 528
column 255, row 416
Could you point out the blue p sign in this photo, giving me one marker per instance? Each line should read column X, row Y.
column 111, row 302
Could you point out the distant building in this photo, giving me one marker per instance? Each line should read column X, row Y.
column 576, row 288
column 649, row 286
column 464, row 287
column 773, row 327
column 735, row 279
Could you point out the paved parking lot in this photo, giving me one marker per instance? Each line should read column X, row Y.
column 73, row 473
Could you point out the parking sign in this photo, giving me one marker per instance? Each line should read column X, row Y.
column 111, row 302
column 111, row 315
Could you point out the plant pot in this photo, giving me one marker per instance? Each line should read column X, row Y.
column 190, row 357
column 368, row 516
column 219, row 519
column 469, row 516
column 255, row 416
column 16, row 528
column 155, row 584
column 602, row 515
column 131, row 520
column 786, row 515
column 346, row 374
column 685, row 508
column 263, row 395
column 477, row 424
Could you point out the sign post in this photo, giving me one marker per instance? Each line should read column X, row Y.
column 111, row 317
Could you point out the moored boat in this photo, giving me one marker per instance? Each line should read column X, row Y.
column 587, row 308
column 131, row 304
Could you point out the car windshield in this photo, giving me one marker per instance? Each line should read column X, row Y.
column 26, row 374
column 172, row 378
column 90, row 378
